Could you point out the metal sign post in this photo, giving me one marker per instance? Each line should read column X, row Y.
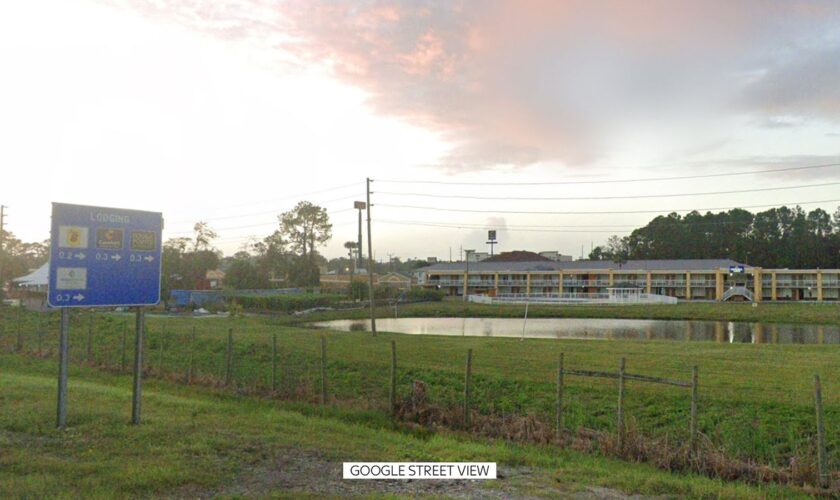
column 491, row 240
column 138, row 366
column 103, row 257
column 61, row 417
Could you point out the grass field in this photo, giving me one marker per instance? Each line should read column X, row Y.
column 200, row 442
column 756, row 401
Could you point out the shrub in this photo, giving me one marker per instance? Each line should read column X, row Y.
column 288, row 303
column 424, row 295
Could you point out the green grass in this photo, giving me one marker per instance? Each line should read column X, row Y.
column 809, row 313
column 756, row 401
column 198, row 441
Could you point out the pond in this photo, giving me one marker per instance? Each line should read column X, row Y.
column 601, row 329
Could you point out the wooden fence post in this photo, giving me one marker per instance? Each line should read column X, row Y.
column 621, row 405
column 123, row 346
column 467, row 389
column 40, row 333
column 822, row 460
column 392, row 394
column 693, row 424
column 191, row 356
column 323, row 370
column 558, row 424
column 160, row 351
column 90, row 338
column 19, row 341
column 274, row 363
column 229, row 357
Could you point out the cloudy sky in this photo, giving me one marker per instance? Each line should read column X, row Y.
column 485, row 112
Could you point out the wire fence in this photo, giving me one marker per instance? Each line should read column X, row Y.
column 584, row 404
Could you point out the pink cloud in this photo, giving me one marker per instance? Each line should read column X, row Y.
column 518, row 82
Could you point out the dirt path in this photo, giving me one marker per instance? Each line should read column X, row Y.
column 308, row 472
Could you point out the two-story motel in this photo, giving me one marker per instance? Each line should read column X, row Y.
column 685, row 279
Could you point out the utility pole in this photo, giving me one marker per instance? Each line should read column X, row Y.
column 359, row 205
column 370, row 263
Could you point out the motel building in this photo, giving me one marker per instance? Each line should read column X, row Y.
column 682, row 279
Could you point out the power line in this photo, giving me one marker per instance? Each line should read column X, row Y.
column 274, row 211
column 290, row 197
column 507, row 228
column 611, row 181
column 537, row 227
column 611, row 212
column 256, row 237
column 630, row 197
column 263, row 224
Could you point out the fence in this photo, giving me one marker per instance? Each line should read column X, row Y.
column 574, row 298
column 307, row 369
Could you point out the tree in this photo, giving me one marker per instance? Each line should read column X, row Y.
column 204, row 236
column 243, row 274
column 598, row 253
column 306, row 227
column 304, row 272
column 618, row 249
column 185, row 269
column 351, row 253
column 19, row 257
column 778, row 237
column 272, row 256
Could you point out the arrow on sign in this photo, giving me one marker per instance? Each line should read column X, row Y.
column 80, row 256
column 78, row 297
column 149, row 258
column 116, row 257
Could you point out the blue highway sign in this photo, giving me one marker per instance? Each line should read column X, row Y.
column 104, row 257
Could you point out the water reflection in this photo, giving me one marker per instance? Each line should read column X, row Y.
column 607, row 329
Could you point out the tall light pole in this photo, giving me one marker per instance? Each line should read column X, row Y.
column 467, row 254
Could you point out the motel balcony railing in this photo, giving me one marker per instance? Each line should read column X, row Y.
column 801, row 283
column 669, row 283
column 513, row 282
column 446, row 282
column 585, row 283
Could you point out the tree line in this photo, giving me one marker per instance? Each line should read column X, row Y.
column 18, row 258
column 781, row 237
column 288, row 257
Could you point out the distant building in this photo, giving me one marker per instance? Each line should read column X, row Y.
column 31, row 290
column 395, row 280
column 517, row 256
column 215, row 279
column 527, row 273
column 432, row 260
column 557, row 256
column 478, row 256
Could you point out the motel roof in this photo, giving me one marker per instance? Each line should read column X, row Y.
column 587, row 265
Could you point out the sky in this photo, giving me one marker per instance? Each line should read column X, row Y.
column 466, row 115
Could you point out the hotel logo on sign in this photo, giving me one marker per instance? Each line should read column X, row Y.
column 143, row 241
column 72, row 237
column 109, row 238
